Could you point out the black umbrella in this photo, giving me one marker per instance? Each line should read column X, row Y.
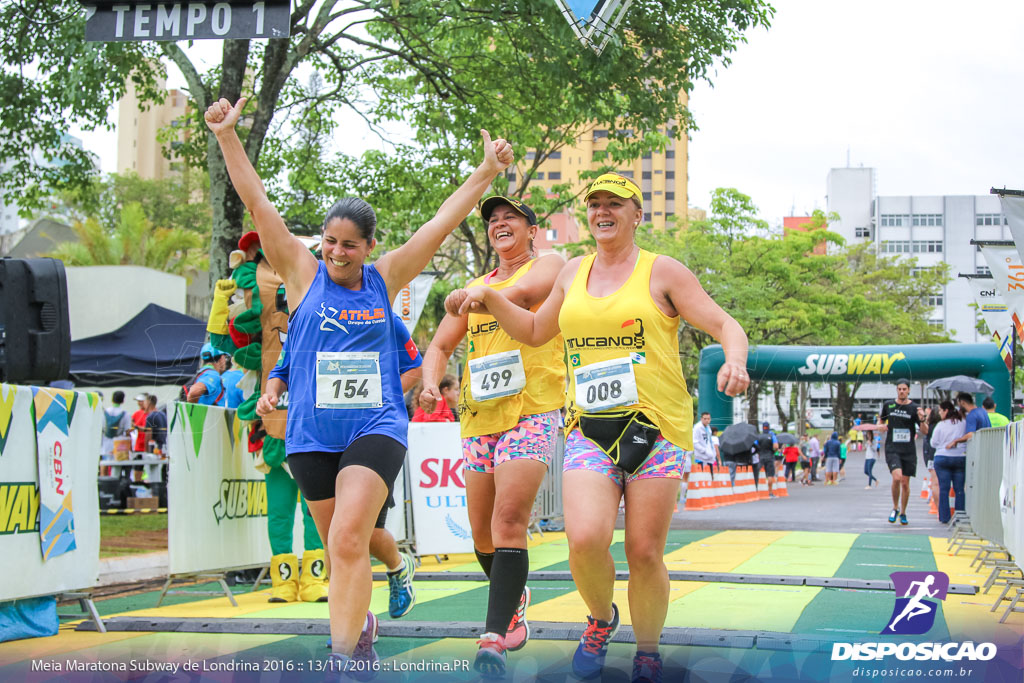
column 787, row 439
column 738, row 439
column 962, row 383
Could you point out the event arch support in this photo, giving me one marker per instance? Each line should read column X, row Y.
column 915, row 362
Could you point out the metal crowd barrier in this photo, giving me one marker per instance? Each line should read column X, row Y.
column 984, row 476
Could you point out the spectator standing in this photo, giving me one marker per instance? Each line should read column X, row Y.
column 995, row 419
column 976, row 418
column 445, row 410
column 703, row 447
column 765, row 447
column 844, row 449
column 116, row 422
column 814, row 454
column 930, row 418
column 156, row 425
column 833, row 450
column 206, row 388
column 791, row 456
column 715, row 444
column 950, row 457
column 869, row 463
column 139, row 421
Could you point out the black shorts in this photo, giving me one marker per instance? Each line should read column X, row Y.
column 898, row 459
column 316, row 472
column 768, row 465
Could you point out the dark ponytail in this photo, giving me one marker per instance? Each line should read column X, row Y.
column 356, row 210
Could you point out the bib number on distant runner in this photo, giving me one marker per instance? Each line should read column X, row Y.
column 901, row 436
column 604, row 385
column 348, row 379
column 497, row 375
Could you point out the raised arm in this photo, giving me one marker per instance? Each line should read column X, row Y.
column 287, row 255
column 401, row 265
column 532, row 329
column 530, row 290
column 694, row 305
column 449, row 333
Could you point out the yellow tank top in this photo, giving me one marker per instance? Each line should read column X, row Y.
column 626, row 324
column 543, row 365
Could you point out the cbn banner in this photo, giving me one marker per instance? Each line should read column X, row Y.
column 1008, row 274
column 72, row 561
column 995, row 314
column 440, row 517
column 217, row 499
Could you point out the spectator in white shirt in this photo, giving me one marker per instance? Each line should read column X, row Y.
column 703, row 448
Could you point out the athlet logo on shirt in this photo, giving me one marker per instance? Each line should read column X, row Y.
column 332, row 318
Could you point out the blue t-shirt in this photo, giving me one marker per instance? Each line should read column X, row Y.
column 332, row 319
column 977, row 419
column 210, row 379
column 232, row 393
column 833, row 449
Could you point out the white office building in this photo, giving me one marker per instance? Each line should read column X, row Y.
column 933, row 229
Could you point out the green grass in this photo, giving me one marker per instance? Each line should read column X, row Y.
column 132, row 534
column 124, row 525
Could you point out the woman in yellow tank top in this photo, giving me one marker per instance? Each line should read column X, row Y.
column 619, row 311
column 509, row 406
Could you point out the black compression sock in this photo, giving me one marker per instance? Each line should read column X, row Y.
column 485, row 560
column 511, row 567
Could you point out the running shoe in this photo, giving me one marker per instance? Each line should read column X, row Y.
column 903, row 520
column 403, row 595
column 646, row 667
column 588, row 660
column 518, row 630
column 893, row 515
column 772, row 495
column 365, row 655
column 490, row 658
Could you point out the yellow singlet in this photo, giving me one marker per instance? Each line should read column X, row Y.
column 621, row 347
column 494, row 354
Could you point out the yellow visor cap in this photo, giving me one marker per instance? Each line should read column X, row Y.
column 617, row 185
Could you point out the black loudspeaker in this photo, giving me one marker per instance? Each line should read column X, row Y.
column 35, row 332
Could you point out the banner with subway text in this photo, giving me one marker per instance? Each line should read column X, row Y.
column 57, row 556
column 217, row 500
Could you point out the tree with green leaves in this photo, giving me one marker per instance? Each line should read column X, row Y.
column 782, row 292
column 134, row 241
column 446, row 68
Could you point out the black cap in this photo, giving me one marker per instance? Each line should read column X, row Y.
column 488, row 206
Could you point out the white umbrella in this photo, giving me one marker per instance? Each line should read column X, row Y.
column 962, row 383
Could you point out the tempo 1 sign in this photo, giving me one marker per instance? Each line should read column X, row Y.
column 114, row 21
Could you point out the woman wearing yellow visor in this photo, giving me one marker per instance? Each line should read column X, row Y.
column 630, row 415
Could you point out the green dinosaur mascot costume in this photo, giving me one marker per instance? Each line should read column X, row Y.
column 249, row 316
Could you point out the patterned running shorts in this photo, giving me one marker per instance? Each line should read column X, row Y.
column 665, row 461
column 532, row 439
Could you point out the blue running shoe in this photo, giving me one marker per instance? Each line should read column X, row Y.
column 490, row 658
column 893, row 515
column 588, row 660
column 646, row 667
column 903, row 520
column 403, row 595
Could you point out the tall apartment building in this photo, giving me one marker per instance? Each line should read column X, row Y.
column 934, row 229
column 138, row 149
column 661, row 176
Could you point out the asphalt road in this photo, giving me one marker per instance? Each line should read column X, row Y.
column 847, row 507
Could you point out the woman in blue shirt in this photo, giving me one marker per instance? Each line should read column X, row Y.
column 347, row 423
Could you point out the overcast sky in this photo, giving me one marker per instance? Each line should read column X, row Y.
column 928, row 93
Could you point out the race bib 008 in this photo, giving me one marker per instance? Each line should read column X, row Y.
column 604, row 385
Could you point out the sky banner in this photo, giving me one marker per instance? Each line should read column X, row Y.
column 1008, row 276
column 594, row 21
